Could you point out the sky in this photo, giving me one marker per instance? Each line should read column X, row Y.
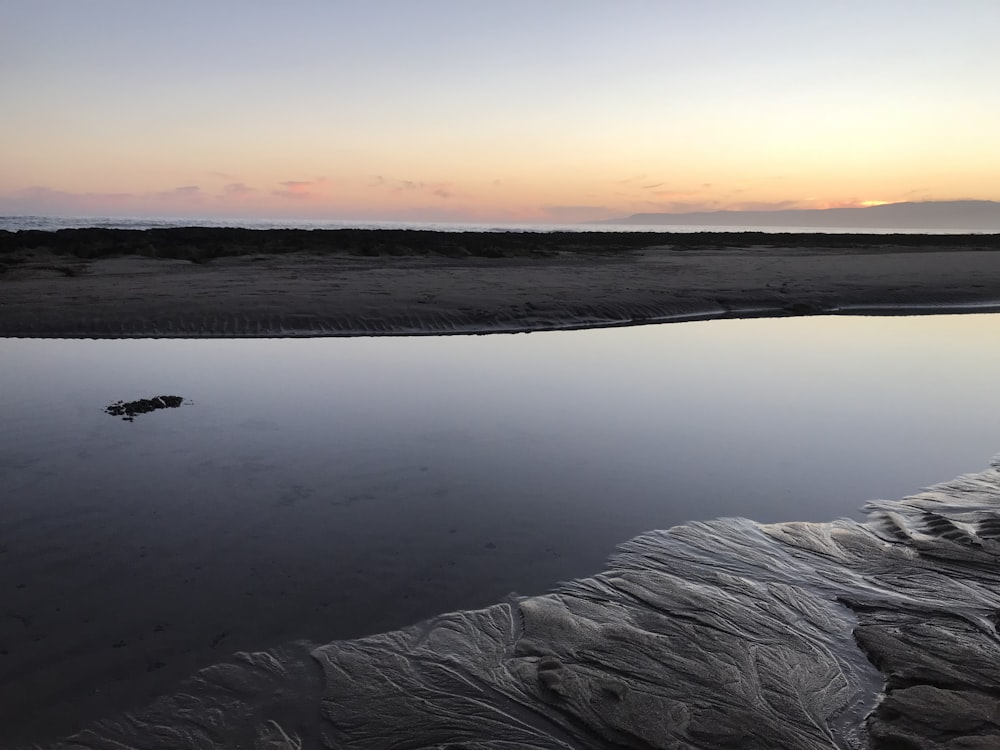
column 468, row 110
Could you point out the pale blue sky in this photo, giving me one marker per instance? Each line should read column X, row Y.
column 483, row 109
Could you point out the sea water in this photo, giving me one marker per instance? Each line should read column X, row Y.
column 53, row 223
column 331, row 488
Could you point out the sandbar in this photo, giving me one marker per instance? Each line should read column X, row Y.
column 202, row 282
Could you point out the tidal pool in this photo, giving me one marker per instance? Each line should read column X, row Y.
column 330, row 488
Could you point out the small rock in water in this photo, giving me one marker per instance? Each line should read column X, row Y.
column 128, row 410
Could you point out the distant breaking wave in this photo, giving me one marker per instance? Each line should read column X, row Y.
column 55, row 223
column 724, row 634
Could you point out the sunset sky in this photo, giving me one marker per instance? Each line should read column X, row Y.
column 522, row 110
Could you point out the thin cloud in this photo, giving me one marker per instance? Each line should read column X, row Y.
column 674, row 193
column 183, row 191
column 299, row 189
column 681, row 207
column 766, row 205
column 439, row 189
column 687, row 207
column 41, row 199
column 444, row 190
column 238, row 190
column 662, row 191
column 41, row 192
column 44, row 199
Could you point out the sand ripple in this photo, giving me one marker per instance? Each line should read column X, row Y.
column 726, row 634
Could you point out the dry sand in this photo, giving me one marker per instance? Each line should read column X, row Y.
column 304, row 294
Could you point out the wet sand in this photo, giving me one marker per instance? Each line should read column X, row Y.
column 107, row 283
column 725, row 634
column 89, row 288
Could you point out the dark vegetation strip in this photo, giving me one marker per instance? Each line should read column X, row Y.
column 202, row 244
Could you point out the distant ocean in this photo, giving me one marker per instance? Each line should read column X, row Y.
column 53, row 223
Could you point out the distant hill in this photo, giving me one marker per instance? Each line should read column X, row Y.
column 972, row 216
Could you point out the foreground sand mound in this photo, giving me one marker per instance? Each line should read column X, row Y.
column 727, row 634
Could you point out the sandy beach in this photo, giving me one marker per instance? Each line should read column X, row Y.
column 213, row 282
column 137, row 641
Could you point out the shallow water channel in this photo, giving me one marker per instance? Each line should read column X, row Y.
column 329, row 488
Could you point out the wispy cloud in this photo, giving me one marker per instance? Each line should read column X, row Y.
column 643, row 190
column 237, row 190
column 766, row 205
column 678, row 207
column 437, row 189
column 47, row 195
column 674, row 193
column 43, row 199
column 181, row 200
column 300, row 189
column 185, row 191
column 696, row 206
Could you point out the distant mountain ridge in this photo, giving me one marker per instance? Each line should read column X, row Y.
column 974, row 216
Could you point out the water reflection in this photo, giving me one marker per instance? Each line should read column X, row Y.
column 326, row 488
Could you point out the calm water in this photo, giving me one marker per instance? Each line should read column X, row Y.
column 327, row 488
column 53, row 223
column 440, row 446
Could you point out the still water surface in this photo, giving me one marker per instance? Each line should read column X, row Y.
column 329, row 488
column 443, row 445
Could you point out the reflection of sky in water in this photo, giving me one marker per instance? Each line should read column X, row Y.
column 520, row 459
column 777, row 420
column 328, row 488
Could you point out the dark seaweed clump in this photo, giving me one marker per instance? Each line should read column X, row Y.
column 129, row 410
